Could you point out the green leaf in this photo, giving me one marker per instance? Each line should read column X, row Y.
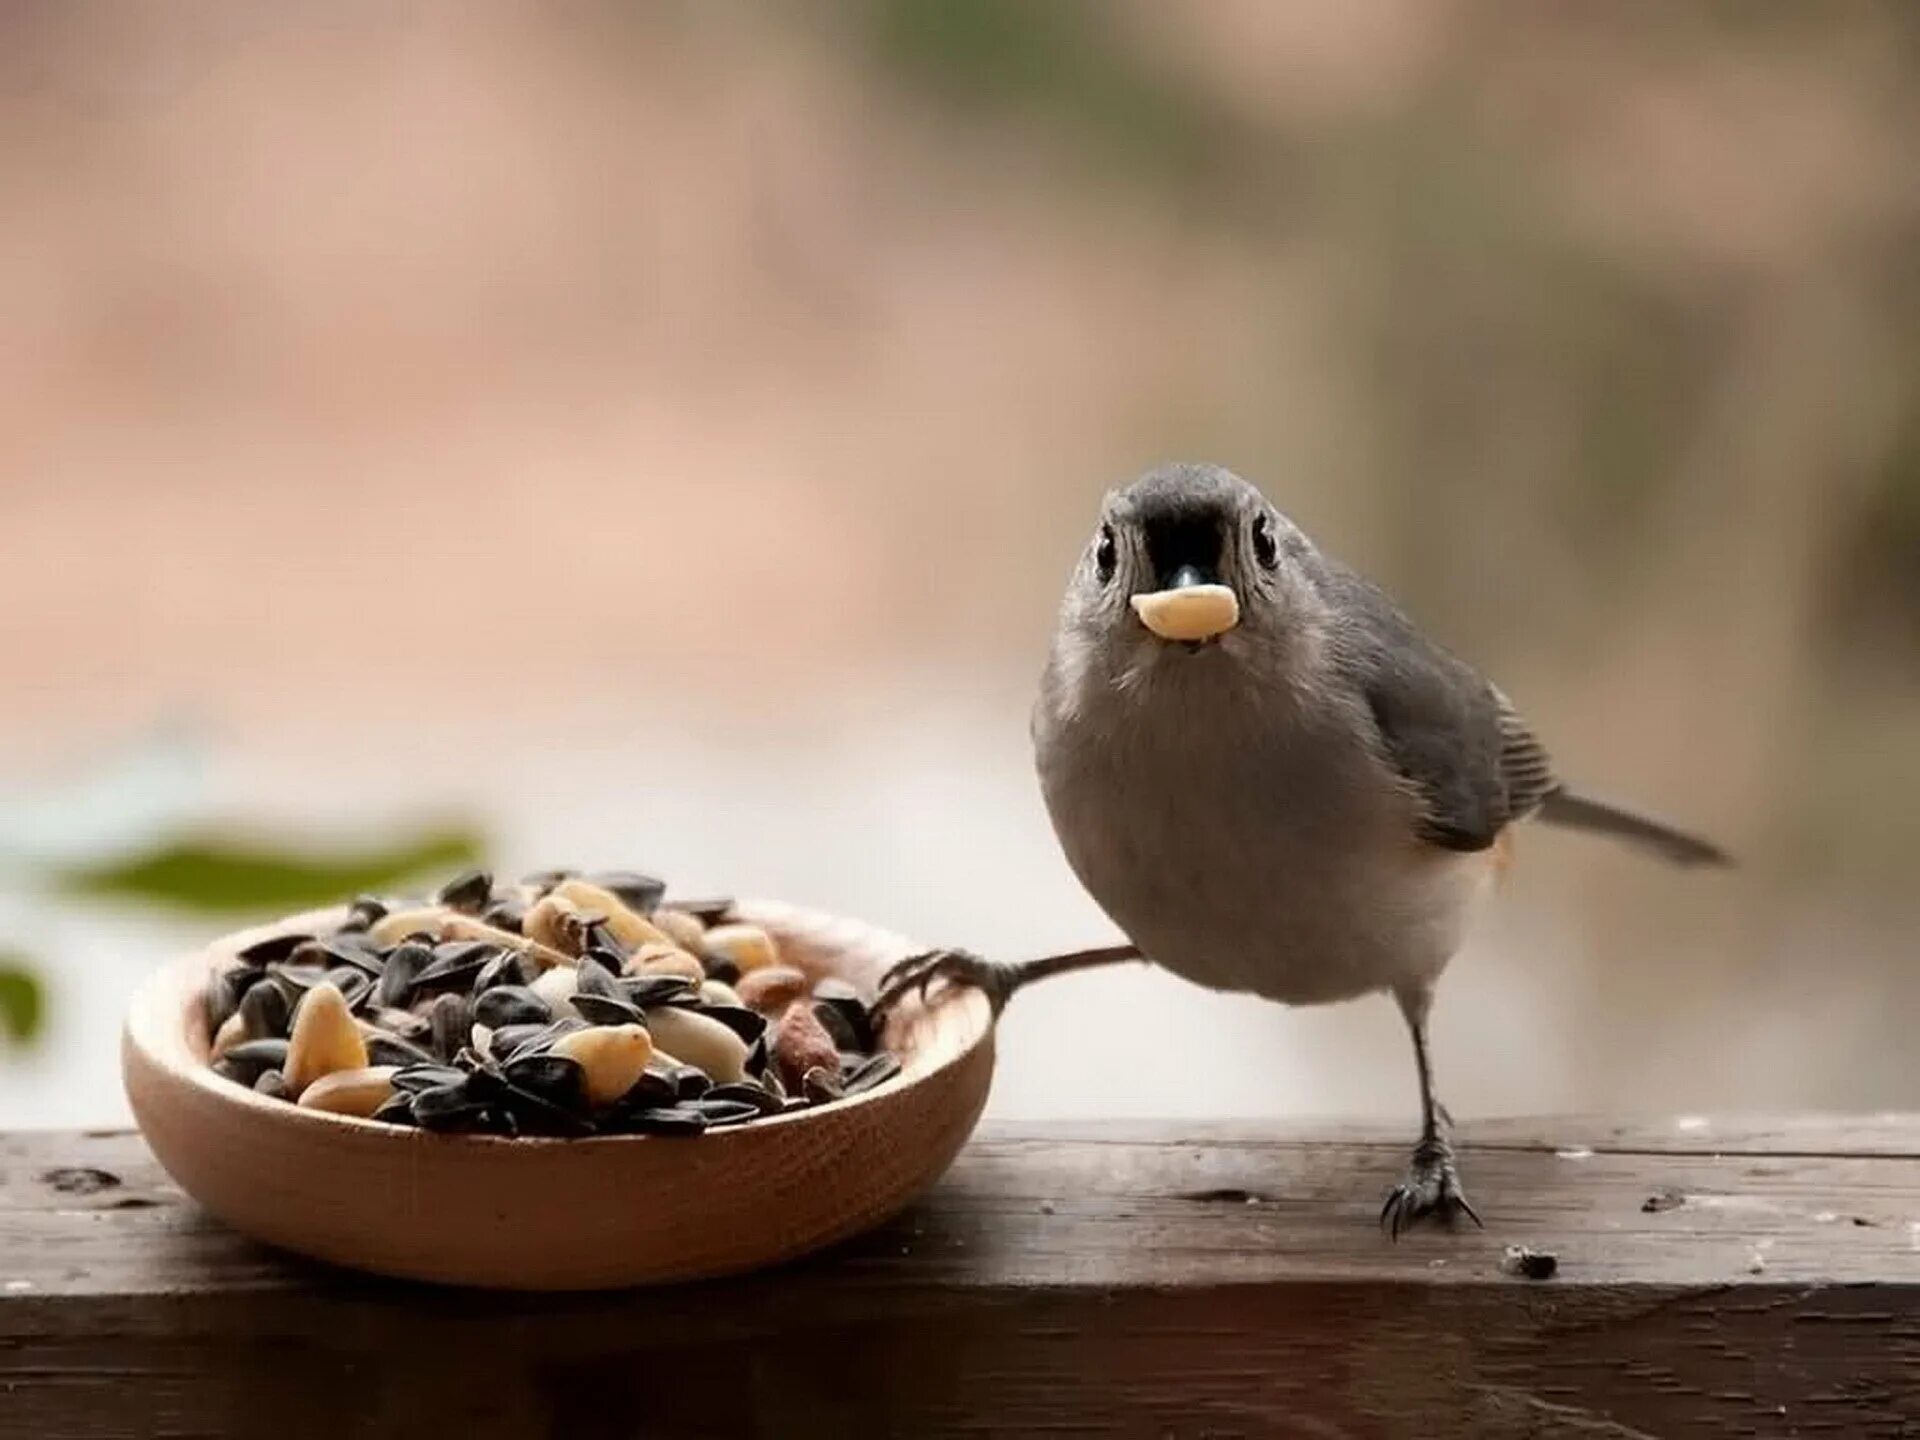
column 23, row 1004
column 218, row 876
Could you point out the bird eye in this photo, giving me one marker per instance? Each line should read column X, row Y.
column 1266, row 549
column 1106, row 554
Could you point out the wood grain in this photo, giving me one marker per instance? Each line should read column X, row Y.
column 1130, row 1280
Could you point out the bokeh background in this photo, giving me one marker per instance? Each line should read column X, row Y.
column 657, row 435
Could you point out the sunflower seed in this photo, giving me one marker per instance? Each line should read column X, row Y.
column 821, row 1085
column 451, row 1018
column 510, row 1005
column 385, row 1049
column 366, row 912
column 398, row 1110
column 726, row 1112
column 509, row 967
column 467, row 893
column 448, row 1107
column 689, row 1082
column 248, row 1061
column 404, row 964
column 661, row 1120
column 871, row 1073
column 219, row 998
column 602, row 1010
column 428, row 1077
column 595, row 979
column 266, row 1011
column 273, row 949
column 845, row 1015
column 647, row 991
column 637, row 892
column 272, row 1084
column 740, row 1092
column 455, row 964
column 508, row 913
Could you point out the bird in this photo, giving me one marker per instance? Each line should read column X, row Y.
column 1272, row 782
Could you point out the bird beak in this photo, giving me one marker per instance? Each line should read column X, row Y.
column 1190, row 608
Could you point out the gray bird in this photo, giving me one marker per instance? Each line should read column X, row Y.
column 1271, row 781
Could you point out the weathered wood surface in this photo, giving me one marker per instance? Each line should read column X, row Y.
column 1067, row 1279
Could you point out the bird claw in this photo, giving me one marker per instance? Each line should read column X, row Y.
column 1432, row 1188
column 916, row 973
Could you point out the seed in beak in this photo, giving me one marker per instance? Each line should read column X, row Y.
column 1190, row 612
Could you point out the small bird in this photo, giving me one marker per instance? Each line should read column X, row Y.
column 1272, row 782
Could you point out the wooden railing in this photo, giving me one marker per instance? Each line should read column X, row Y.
column 1708, row 1278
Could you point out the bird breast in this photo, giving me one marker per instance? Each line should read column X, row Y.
column 1249, row 840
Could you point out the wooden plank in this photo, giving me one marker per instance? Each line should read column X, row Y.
column 1138, row 1280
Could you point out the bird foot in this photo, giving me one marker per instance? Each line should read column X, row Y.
column 916, row 973
column 1432, row 1188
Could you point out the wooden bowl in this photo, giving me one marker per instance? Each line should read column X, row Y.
column 542, row 1214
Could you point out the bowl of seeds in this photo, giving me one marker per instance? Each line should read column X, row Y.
column 565, row 1083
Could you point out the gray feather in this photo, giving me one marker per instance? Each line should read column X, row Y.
column 1579, row 812
column 1453, row 738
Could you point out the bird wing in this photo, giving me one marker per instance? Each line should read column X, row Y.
column 1453, row 738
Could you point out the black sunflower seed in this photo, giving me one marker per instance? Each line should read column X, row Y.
column 596, row 978
column 649, row 990
column 749, row 1025
column 759, row 1056
column 509, row 967
column 653, row 1088
column 267, row 1011
column 542, row 881
column 726, row 1112
column 658, row 1120
column 385, row 1049
column 397, row 1109
column 451, row 1019
column 404, row 964
column 510, row 1005
column 415, row 1029
column 845, row 1016
column 355, row 986
column 467, row 893
column 247, row 1061
column 534, row 1114
column 558, row 1078
column 431, row 1076
column 332, row 951
column 720, row 968
column 821, row 1085
column 272, row 1084
column 741, row 1093
column 508, row 913
column 601, row 1010
column 689, row 1082
column 636, row 891
column 273, row 949
column 871, row 1073
column 707, row 912
column 219, row 998
column 296, row 980
column 454, row 966
column 448, row 1107
column 605, row 946
column 366, row 912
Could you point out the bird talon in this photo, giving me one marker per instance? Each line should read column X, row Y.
column 1431, row 1189
column 917, row 973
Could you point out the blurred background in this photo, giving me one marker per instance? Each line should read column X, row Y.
column 658, row 436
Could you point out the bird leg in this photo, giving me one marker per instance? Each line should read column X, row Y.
column 1432, row 1187
column 997, row 978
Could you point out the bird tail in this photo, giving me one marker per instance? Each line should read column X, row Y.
column 1580, row 812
